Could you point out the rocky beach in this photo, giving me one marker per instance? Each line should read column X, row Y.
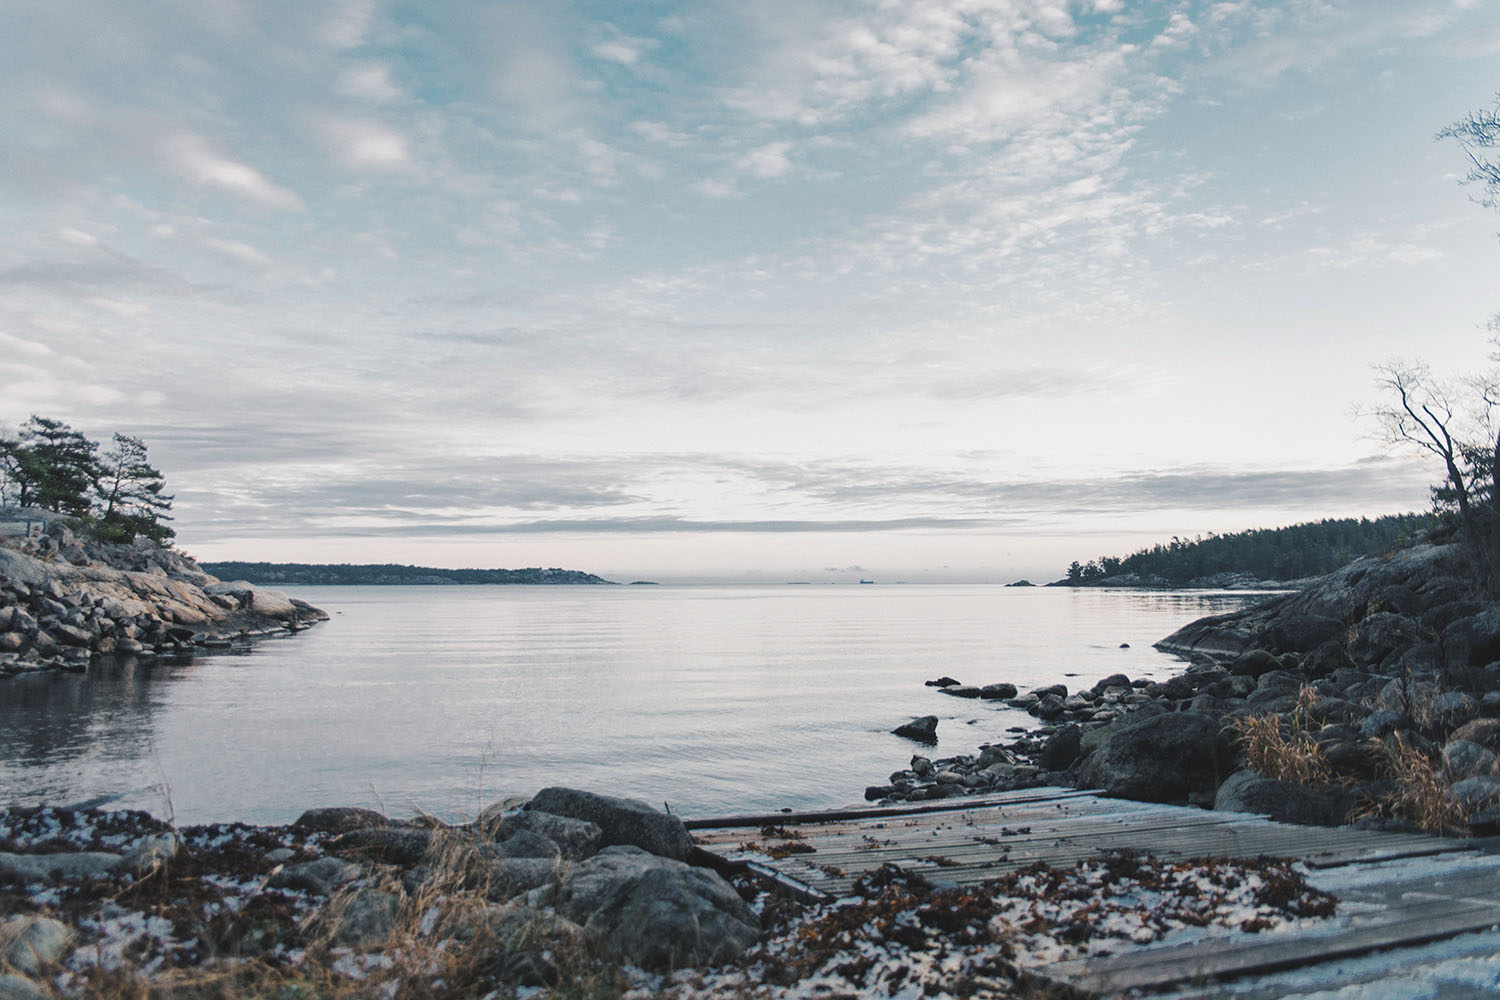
column 65, row 600
column 1370, row 697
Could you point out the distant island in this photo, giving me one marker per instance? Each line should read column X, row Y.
column 1260, row 557
column 389, row 574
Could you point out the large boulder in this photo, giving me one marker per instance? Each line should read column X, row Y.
column 923, row 730
column 655, row 912
column 1249, row 792
column 249, row 597
column 1172, row 757
column 620, row 821
column 575, row 839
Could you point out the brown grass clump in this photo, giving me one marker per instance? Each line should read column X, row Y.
column 1423, row 793
column 1285, row 748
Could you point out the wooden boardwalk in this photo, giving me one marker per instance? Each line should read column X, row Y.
column 1388, row 899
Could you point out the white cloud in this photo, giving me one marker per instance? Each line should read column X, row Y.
column 191, row 156
column 370, row 81
column 624, row 50
column 768, row 161
column 244, row 253
column 349, row 23
column 363, row 144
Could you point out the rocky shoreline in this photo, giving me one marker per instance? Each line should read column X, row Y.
column 567, row 893
column 65, row 601
column 1383, row 679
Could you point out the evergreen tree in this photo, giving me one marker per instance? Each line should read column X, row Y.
column 51, row 466
column 130, row 493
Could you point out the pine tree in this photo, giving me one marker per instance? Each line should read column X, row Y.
column 129, row 492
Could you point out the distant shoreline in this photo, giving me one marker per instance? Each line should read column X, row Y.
column 392, row 575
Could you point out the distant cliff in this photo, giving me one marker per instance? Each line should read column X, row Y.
column 388, row 574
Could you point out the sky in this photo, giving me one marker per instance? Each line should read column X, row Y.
column 814, row 290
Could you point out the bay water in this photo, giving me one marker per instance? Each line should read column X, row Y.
column 710, row 699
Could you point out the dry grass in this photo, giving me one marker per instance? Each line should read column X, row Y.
column 1424, row 795
column 1285, row 748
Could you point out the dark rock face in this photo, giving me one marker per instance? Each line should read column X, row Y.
column 960, row 690
column 1246, row 791
column 575, row 839
column 1062, row 749
column 655, row 912
column 997, row 692
column 923, row 730
column 621, row 821
column 1170, row 757
column 339, row 819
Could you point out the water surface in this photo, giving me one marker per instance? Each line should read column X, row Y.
column 712, row 699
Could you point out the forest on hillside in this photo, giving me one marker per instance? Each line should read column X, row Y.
column 388, row 574
column 1289, row 553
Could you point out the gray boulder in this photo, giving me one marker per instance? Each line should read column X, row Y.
column 1463, row 759
column 620, row 821
column 997, row 692
column 339, row 819
column 575, row 838
column 392, row 844
column 1382, row 721
column 14, row 987
column 961, row 690
column 1254, row 663
column 1169, row 757
column 319, row 878
column 1476, row 793
column 507, row 878
column 1249, row 792
column 1062, row 749
column 365, row 918
column 526, row 844
column 35, row 944
column 655, row 912
column 923, row 730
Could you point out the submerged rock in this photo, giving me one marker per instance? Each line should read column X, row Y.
column 923, row 730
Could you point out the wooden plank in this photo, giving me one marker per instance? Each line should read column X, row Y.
column 957, row 803
column 1213, row 960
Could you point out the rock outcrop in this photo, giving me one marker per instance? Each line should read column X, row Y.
column 64, row 601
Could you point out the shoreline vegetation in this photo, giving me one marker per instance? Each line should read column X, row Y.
column 1286, row 558
column 392, row 574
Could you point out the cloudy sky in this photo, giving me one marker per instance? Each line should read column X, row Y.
column 937, row 289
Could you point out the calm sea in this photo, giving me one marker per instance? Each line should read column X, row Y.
column 442, row 699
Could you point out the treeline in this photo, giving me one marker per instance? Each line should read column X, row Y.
column 386, row 574
column 1290, row 553
column 114, row 496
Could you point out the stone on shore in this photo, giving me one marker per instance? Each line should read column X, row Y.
column 655, row 912
column 575, row 839
column 34, row 944
column 923, row 730
column 1171, row 757
column 620, row 821
column 339, row 819
column 1249, row 792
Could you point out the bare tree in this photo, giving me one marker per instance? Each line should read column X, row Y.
column 1454, row 421
column 1480, row 131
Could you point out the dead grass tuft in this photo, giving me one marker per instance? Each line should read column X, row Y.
column 1285, row 748
column 1423, row 795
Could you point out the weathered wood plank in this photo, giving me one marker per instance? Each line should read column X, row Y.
column 1155, row 968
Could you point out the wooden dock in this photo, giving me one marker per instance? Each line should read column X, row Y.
column 1396, row 891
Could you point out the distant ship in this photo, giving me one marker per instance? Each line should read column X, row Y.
column 867, row 581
